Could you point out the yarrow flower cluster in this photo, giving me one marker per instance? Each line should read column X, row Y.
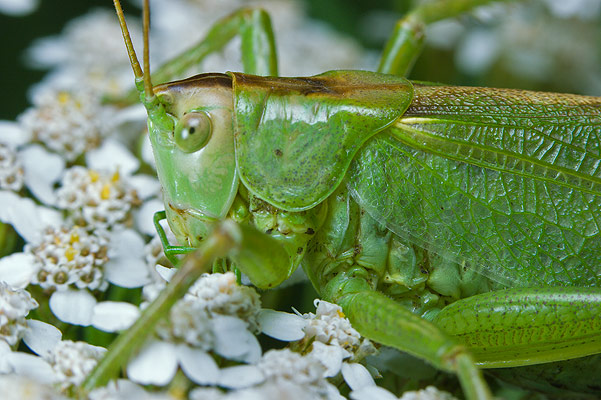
column 307, row 372
column 329, row 326
column 96, row 199
column 73, row 361
column 69, row 257
column 67, row 122
column 15, row 304
column 213, row 296
column 11, row 169
column 216, row 315
column 189, row 322
column 220, row 294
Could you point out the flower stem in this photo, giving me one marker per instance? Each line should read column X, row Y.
column 223, row 239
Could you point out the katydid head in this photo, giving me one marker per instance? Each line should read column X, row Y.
column 191, row 130
column 195, row 160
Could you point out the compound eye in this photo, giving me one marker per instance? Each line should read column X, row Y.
column 193, row 131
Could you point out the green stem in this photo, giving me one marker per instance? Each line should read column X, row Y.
column 406, row 42
column 224, row 239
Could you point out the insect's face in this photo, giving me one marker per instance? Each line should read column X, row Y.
column 195, row 160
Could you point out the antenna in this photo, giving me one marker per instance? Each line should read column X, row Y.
column 133, row 58
column 147, row 82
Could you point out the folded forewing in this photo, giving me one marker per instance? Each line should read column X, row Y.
column 503, row 181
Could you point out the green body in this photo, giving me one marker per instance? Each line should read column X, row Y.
column 457, row 224
column 431, row 193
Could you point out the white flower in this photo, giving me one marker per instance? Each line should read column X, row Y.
column 126, row 266
column 69, row 257
column 28, row 218
column 189, row 322
column 25, row 365
column 67, row 122
column 329, row 326
column 584, row 9
column 123, row 389
column 41, row 337
column 220, row 294
column 114, row 316
column 27, row 163
column 153, row 253
column 89, row 53
column 379, row 393
column 19, row 387
column 14, row 307
column 429, row 393
column 269, row 390
column 281, row 325
column 42, row 170
column 73, row 361
column 215, row 315
column 98, row 199
column 11, row 169
column 328, row 337
column 18, row 8
column 304, row 371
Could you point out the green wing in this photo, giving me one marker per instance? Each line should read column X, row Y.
column 295, row 137
column 505, row 181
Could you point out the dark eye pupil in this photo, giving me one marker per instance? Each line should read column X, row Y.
column 192, row 130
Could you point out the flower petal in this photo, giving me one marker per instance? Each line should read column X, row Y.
column 281, row 325
column 232, row 338
column 356, row 376
column 144, row 216
column 18, row 8
column 164, row 272
column 127, row 272
column 30, row 366
column 41, row 337
column 126, row 243
column 372, row 393
column 28, row 219
column 42, row 170
column 113, row 316
column 73, row 306
column 147, row 154
column 146, row 186
column 17, row 269
column 13, row 134
column 127, row 267
column 110, row 155
column 198, row 365
column 154, row 365
column 240, row 376
column 330, row 356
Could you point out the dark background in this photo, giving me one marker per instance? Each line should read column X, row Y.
column 18, row 33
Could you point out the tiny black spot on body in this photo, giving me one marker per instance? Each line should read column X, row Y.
column 278, row 152
column 268, row 231
column 309, row 231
